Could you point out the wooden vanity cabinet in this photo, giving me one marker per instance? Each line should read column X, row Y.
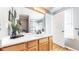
column 43, row 44
column 32, row 45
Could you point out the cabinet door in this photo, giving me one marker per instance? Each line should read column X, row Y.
column 33, row 45
column 44, row 47
column 43, row 44
column 43, row 40
column 33, row 48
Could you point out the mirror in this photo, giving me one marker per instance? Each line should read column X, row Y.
column 25, row 20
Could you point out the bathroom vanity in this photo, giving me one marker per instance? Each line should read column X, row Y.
column 28, row 43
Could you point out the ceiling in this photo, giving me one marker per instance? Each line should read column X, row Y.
column 50, row 10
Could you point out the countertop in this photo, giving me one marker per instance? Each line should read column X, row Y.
column 6, row 41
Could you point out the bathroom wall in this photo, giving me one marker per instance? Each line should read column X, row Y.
column 49, row 19
column 4, row 21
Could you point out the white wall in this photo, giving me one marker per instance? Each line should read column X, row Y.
column 49, row 23
column 4, row 21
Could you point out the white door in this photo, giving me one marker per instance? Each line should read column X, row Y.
column 58, row 28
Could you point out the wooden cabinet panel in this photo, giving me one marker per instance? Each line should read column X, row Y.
column 50, row 43
column 26, row 47
column 33, row 48
column 43, row 47
column 43, row 40
column 0, row 49
column 18, row 47
column 32, row 43
column 43, row 44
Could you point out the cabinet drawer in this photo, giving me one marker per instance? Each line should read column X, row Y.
column 43, row 40
column 44, row 47
column 32, row 43
column 18, row 47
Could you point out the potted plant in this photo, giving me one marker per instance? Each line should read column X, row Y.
column 14, row 23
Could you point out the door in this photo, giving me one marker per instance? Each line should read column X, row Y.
column 58, row 28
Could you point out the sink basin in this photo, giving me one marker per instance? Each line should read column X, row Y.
column 17, row 36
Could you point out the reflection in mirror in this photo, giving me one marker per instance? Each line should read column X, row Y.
column 12, row 22
column 13, row 26
column 37, row 25
column 24, row 23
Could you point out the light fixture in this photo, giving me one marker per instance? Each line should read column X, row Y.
column 40, row 9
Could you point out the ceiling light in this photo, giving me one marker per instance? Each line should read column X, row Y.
column 40, row 9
